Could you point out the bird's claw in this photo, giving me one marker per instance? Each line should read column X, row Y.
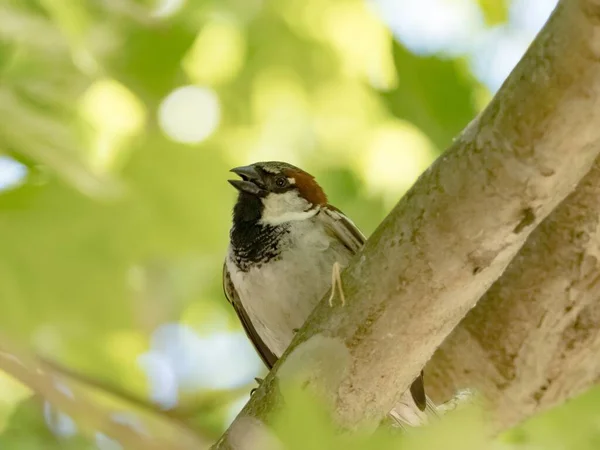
column 336, row 280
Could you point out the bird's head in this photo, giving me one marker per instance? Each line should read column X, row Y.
column 275, row 192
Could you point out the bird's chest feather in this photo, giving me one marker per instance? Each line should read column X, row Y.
column 280, row 294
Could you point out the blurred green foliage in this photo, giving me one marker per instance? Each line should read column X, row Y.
column 119, row 226
column 495, row 12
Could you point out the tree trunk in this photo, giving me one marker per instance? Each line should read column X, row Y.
column 533, row 340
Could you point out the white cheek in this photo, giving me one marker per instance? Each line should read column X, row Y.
column 286, row 207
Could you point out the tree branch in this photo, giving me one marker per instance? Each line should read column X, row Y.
column 533, row 340
column 38, row 376
column 453, row 233
column 181, row 413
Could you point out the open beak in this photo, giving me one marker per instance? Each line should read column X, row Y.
column 251, row 181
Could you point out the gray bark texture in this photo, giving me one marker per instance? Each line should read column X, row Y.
column 450, row 238
column 533, row 340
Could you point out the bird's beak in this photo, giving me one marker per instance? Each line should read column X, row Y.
column 251, row 181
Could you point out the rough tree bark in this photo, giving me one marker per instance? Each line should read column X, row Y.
column 453, row 233
column 533, row 340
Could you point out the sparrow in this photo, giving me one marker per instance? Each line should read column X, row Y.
column 287, row 247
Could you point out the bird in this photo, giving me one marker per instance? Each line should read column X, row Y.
column 287, row 246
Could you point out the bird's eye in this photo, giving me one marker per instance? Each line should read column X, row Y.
column 281, row 182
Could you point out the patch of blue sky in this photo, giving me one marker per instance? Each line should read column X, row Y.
column 433, row 26
column 457, row 27
column 12, row 173
column 180, row 360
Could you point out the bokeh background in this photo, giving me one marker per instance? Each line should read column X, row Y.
column 119, row 122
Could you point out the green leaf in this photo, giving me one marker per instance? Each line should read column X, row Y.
column 435, row 94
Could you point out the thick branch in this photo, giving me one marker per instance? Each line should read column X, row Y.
column 533, row 340
column 454, row 232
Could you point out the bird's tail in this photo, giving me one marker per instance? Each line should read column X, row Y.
column 406, row 414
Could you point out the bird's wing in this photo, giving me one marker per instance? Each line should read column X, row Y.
column 347, row 232
column 232, row 297
column 343, row 228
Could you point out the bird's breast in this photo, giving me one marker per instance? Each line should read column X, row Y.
column 279, row 295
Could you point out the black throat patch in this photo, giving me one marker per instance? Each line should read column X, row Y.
column 253, row 243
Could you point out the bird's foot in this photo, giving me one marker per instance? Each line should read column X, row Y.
column 336, row 280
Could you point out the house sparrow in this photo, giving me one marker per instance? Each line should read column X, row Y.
column 286, row 244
